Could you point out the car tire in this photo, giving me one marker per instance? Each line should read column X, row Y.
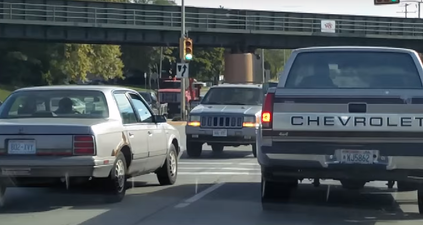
column 2, row 195
column 406, row 186
column 115, row 184
column 194, row 149
column 254, row 147
column 272, row 192
column 168, row 173
column 420, row 199
column 217, row 148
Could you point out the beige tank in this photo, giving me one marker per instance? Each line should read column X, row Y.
column 242, row 68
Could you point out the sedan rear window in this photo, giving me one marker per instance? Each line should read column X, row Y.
column 354, row 69
column 55, row 103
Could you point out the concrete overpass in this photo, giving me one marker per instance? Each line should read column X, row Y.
column 241, row 30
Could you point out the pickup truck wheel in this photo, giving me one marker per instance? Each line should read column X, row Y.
column 217, row 148
column 406, row 186
column 169, row 171
column 420, row 199
column 116, row 182
column 2, row 195
column 272, row 192
column 194, row 149
column 254, row 146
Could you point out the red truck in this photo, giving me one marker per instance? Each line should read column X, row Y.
column 170, row 93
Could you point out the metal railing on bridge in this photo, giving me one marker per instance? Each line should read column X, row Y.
column 199, row 20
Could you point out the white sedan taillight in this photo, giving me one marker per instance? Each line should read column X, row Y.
column 83, row 145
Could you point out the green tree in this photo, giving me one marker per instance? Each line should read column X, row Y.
column 207, row 63
column 275, row 60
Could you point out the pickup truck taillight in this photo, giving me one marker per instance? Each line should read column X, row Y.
column 83, row 145
column 267, row 111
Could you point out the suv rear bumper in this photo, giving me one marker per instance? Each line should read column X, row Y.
column 319, row 160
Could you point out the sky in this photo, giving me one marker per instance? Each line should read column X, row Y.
column 351, row 7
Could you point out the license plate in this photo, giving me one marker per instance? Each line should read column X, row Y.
column 220, row 133
column 15, row 171
column 21, row 147
column 357, row 156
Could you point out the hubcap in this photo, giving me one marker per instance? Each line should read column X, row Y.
column 172, row 164
column 120, row 175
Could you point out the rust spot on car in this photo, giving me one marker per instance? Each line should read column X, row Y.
column 124, row 141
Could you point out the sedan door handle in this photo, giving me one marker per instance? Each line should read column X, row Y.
column 149, row 133
column 131, row 135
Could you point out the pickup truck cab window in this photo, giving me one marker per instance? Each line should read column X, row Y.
column 126, row 111
column 354, row 69
column 143, row 112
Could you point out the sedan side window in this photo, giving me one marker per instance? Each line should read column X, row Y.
column 142, row 109
column 126, row 111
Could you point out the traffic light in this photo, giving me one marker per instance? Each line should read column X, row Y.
column 188, row 49
column 386, row 2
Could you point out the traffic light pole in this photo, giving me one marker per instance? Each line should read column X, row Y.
column 183, row 103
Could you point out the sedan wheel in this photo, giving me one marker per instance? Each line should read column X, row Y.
column 116, row 183
column 169, row 171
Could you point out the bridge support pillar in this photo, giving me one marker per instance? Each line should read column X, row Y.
column 242, row 66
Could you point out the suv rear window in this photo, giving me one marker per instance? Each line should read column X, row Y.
column 354, row 69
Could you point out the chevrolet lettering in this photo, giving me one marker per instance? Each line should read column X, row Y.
column 349, row 114
column 374, row 121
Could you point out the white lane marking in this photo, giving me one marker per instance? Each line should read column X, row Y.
column 217, row 173
column 196, row 185
column 217, row 168
column 198, row 196
column 248, row 164
column 217, row 163
column 205, row 163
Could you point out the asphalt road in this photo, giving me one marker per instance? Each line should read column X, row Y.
column 216, row 189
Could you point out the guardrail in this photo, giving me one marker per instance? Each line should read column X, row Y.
column 242, row 22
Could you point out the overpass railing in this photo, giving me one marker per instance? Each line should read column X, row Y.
column 203, row 20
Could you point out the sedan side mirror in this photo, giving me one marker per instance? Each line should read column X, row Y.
column 160, row 119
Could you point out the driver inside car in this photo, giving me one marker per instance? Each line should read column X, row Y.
column 65, row 106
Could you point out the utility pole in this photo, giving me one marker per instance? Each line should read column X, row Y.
column 262, row 66
column 160, row 68
column 183, row 103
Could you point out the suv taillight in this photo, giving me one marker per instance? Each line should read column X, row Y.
column 83, row 145
column 267, row 111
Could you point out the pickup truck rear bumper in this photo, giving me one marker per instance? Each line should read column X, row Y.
column 397, row 161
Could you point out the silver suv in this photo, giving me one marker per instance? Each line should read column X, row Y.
column 228, row 115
